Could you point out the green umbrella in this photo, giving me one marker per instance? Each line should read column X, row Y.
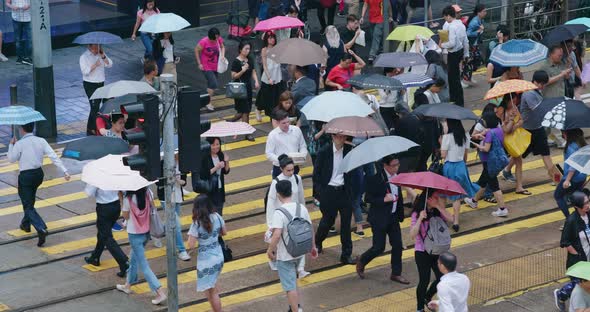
column 409, row 33
column 580, row 270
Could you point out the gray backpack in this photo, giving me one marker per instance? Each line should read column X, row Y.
column 300, row 233
column 438, row 237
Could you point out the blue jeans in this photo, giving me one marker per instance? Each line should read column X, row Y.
column 137, row 261
column 566, row 291
column 398, row 8
column 561, row 195
column 179, row 243
column 22, row 38
column 377, row 34
column 146, row 39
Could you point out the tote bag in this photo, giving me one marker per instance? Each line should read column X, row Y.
column 222, row 62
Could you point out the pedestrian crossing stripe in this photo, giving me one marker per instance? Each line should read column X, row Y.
column 346, row 270
column 190, row 277
column 4, row 307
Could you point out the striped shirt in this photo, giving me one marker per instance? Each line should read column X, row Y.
column 19, row 14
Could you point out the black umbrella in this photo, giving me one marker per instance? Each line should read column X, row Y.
column 375, row 81
column 399, row 59
column 446, row 110
column 94, row 147
column 560, row 113
column 114, row 105
column 563, row 33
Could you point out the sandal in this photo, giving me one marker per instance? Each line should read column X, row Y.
column 491, row 200
column 524, row 192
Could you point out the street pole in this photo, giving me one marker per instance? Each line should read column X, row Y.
column 168, row 88
column 426, row 4
column 386, row 28
column 43, row 68
column 14, row 101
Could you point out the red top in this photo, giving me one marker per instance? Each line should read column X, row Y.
column 101, row 124
column 375, row 11
column 340, row 75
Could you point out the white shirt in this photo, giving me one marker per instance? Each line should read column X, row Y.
column 280, row 142
column 457, row 38
column 29, row 152
column 168, row 51
column 432, row 97
column 393, row 189
column 87, row 59
column 452, row 292
column 280, row 221
column 455, row 153
column 273, row 200
column 337, row 176
column 388, row 97
column 102, row 197
column 21, row 15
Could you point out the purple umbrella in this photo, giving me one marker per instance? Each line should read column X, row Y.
column 98, row 37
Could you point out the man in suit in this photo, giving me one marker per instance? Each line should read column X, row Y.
column 303, row 86
column 334, row 194
column 385, row 216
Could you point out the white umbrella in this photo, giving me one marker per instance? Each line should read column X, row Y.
column 580, row 160
column 335, row 104
column 164, row 22
column 121, row 88
column 109, row 174
column 373, row 150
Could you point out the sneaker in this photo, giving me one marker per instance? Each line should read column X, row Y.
column 507, row 175
column 471, row 202
column 123, row 289
column 157, row 242
column 28, row 61
column 183, row 255
column 371, row 59
column 19, row 60
column 558, row 303
column 561, row 228
column 341, row 14
column 332, row 230
column 500, row 212
column 316, row 202
column 210, row 107
column 302, row 274
column 159, row 299
column 464, row 85
column 117, row 227
column 3, row 58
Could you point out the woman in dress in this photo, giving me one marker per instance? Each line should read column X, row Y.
column 286, row 104
column 272, row 84
column 242, row 70
column 149, row 8
column 207, row 226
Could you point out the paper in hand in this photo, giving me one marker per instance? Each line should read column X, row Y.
column 360, row 40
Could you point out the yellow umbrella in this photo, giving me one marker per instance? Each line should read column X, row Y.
column 409, row 33
column 509, row 86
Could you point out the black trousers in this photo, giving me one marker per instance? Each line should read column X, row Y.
column 322, row 15
column 89, row 88
column 455, row 89
column 335, row 200
column 389, row 116
column 106, row 216
column 426, row 263
column 382, row 229
column 28, row 183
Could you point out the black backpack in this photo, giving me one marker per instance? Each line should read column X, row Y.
column 268, row 191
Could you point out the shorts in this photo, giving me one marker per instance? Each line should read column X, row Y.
column 211, row 77
column 288, row 274
column 485, row 179
column 253, row 8
column 538, row 144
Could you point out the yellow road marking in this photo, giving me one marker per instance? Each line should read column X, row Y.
column 46, row 184
column 43, row 203
column 4, row 307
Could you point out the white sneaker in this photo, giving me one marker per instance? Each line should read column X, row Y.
column 302, row 274
column 159, row 299
column 123, row 289
column 3, row 58
column 469, row 201
column 500, row 213
column 157, row 242
column 210, row 107
column 184, row 256
column 464, row 85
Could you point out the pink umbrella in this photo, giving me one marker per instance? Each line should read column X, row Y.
column 278, row 22
column 428, row 180
column 226, row 128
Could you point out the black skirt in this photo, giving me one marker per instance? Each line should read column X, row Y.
column 268, row 96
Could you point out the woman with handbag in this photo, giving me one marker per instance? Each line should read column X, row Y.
column 210, row 56
column 572, row 180
column 272, row 84
column 243, row 74
column 137, row 210
column 453, row 150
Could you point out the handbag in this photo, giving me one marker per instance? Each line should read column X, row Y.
column 227, row 252
column 236, row 90
column 203, row 186
column 437, row 165
column 157, row 228
column 222, row 63
column 517, row 142
column 497, row 159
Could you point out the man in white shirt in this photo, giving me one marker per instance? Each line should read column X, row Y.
column 277, row 251
column 284, row 139
column 29, row 152
column 453, row 288
column 21, row 23
column 458, row 48
column 92, row 64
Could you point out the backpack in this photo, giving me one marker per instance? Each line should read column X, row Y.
column 497, row 159
column 268, row 191
column 300, row 233
column 438, row 238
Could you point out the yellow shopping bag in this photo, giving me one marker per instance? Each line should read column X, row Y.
column 517, row 142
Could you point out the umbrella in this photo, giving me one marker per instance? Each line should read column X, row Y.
column 334, row 104
column 278, row 22
column 373, row 150
column 446, row 110
column 560, row 113
column 580, row 20
column 509, row 86
column 225, row 129
column 163, row 22
column 114, row 105
column 515, row 53
column 428, row 180
column 298, row 51
column 562, row 33
column 94, row 147
column 109, row 174
column 580, row 270
column 399, row 59
column 410, row 80
column 580, row 160
column 98, row 37
column 19, row 115
column 121, row 88
column 375, row 81
column 409, row 33
column 354, row 126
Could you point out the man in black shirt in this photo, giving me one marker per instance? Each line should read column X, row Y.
column 350, row 32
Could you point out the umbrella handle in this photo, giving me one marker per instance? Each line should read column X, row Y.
column 426, row 200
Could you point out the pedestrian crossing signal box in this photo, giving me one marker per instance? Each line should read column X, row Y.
column 191, row 148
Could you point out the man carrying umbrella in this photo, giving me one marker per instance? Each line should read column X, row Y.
column 555, row 87
column 92, row 65
column 29, row 152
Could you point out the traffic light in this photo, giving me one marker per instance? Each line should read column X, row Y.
column 190, row 128
column 146, row 135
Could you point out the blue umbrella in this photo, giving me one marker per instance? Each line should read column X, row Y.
column 410, row 80
column 19, row 115
column 563, row 33
column 580, row 20
column 98, row 37
column 517, row 53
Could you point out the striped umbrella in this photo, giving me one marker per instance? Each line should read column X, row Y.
column 225, row 129
column 516, row 53
column 19, row 115
column 410, row 80
column 509, row 86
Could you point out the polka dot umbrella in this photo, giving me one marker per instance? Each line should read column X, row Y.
column 559, row 113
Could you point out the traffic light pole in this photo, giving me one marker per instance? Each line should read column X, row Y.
column 168, row 97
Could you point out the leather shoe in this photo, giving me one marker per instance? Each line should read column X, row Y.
column 25, row 228
column 91, row 260
column 360, row 269
column 347, row 260
column 123, row 271
column 400, row 279
column 42, row 235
